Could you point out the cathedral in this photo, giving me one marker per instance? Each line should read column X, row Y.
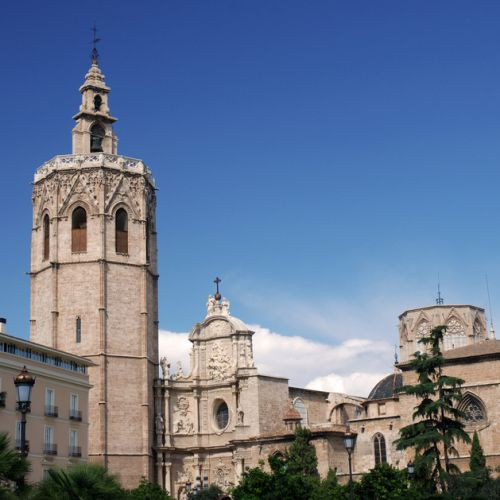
column 94, row 294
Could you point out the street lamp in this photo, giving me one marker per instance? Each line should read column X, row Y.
column 349, row 440
column 24, row 382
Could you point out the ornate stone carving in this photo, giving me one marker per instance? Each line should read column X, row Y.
column 219, row 328
column 159, row 425
column 219, row 364
column 240, row 416
column 249, row 353
column 165, row 367
column 221, row 475
column 423, row 329
column 183, row 423
column 179, row 372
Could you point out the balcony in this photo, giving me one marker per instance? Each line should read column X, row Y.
column 18, row 445
column 75, row 415
column 49, row 449
column 51, row 411
column 75, row 451
column 3, row 397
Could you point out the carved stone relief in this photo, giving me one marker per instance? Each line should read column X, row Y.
column 183, row 422
column 219, row 364
column 221, row 475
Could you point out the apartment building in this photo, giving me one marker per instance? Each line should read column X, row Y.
column 57, row 424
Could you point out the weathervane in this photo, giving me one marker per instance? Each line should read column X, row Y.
column 95, row 40
column 218, row 296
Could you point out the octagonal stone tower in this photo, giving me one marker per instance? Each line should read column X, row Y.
column 94, row 280
column 466, row 325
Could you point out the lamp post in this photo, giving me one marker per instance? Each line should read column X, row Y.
column 349, row 441
column 410, row 468
column 24, row 382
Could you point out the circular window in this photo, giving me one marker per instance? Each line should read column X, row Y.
column 222, row 415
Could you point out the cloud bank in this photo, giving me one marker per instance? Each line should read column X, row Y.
column 353, row 366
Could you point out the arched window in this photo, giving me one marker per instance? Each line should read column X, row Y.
column 97, row 102
column 121, row 231
column 299, row 405
column 474, row 409
column 46, row 237
column 78, row 330
column 96, row 137
column 379, row 449
column 79, row 230
column 454, row 336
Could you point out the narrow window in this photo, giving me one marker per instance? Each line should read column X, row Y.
column 299, row 405
column 78, row 330
column 97, row 102
column 79, row 230
column 121, row 231
column 74, row 450
column 46, row 233
column 379, row 449
column 96, row 138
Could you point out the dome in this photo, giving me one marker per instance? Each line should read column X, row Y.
column 386, row 388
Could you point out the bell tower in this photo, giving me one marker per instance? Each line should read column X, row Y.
column 94, row 280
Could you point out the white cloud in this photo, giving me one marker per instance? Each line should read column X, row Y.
column 352, row 366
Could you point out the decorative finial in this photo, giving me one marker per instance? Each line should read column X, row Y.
column 95, row 54
column 439, row 299
column 218, row 296
column 395, row 354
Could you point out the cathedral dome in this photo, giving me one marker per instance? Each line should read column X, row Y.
column 386, row 388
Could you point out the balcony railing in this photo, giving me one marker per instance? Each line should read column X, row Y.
column 18, row 445
column 75, row 415
column 75, row 451
column 3, row 397
column 51, row 411
column 49, row 449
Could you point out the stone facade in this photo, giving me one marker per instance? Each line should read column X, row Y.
column 94, row 279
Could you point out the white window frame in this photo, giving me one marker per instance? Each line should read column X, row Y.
column 74, row 397
column 49, row 390
column 48, row 431
column 73, row 444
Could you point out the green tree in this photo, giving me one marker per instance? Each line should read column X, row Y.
column 81, row 482
column 294, row 474
column 301, row 457
column 385, row 482
column 438, row 422
column 330, row 488
column 148, row 491
column 477, row 461
column 13, row 469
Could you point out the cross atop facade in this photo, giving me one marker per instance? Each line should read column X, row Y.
column 95, row 54
column 218, row 296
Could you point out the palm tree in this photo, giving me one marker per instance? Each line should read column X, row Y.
column 13, row 468
column 80, row 482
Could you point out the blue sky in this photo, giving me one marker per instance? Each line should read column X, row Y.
column 327, row 159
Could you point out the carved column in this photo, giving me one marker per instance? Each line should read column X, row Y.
column 167, row 477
